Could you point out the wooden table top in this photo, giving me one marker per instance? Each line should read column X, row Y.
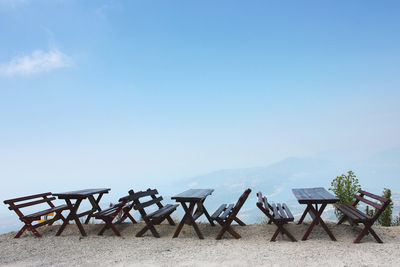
column 193, row 195
column 82, row 193
column 314, row 195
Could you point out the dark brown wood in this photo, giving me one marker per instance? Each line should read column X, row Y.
column 108, row 216
column 128, row 207
column 226, row 214
column 81, row 193
column 79, row 196
column 193, row 197
column 153, row 218
column 29, row 219
column 313, row 197
column 279, row 215
column 355, row 216
column 193, row 194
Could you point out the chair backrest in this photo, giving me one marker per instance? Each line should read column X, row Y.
column 263, row 204
column 29, row 201
column 379, row 207
column 240, row 202
column 140, row 206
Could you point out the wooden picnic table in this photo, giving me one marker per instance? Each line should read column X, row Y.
column 193, row 197
column 315, row 196
column 80, row 195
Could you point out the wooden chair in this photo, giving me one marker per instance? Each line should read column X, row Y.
column 124, row 205
column 355, row 216
column 30, row 218
column 226, row 214
column 279, row 214
column 155, row 217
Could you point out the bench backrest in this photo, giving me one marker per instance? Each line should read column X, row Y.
column 140, row 206
column 28, row 201
column 240, row 202
column 379, row 207
column 263, row 204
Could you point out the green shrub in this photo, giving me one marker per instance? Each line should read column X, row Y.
column 396, row 221
column 369, row 212
column 385, row 219
column 345, row 187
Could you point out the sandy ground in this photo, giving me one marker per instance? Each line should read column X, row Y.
column 253, row 248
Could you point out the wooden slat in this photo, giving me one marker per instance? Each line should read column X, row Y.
column 163, row 211
column 371, row 203
column 260, row 198
column 193, row 194
column 147, row 203
column 351, row 212
column 282, row 212
column 31, row 203
column 146, row 193
column 45, row 212
column 8, row 201
column 373, row 196
column 218, row 211
column 276, row 213
column 266, row 205
column 226, row 212
column 86, row 213
column 288, row 212
column 106, row 212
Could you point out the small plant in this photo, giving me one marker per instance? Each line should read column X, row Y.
column 385, row 219
column 345, row 187
column 396, row 221
column 369, row 212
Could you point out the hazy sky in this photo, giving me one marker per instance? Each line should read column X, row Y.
column 156, row 90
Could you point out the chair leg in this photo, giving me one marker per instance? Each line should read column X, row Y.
column 226, row 227
column 33, row 230
column 20, row 232
column 361, row 235
column 103, row 229
column 286, row 232
column 275, row 235
column 131, row 218
column 170, row 221
column 375, row 235
column 239, row 221
column 115, row 229
column 150, row 227
column 342, row 219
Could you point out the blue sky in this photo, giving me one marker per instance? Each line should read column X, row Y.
column 154, row 91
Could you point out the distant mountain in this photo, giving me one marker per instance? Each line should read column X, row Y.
column 277, row 180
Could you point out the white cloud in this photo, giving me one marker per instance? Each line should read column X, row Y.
column 38, row 61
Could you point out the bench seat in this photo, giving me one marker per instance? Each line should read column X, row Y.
column 167, row 209
column 353, row 213
column 37, row 215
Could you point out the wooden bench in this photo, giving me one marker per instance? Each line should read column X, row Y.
column 32, row 200
column 279, row 214
column 155, row 217
column 226, row 214
column 355, row 216
column 124, row 206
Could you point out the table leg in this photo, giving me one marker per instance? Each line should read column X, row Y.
column 72, row 216
column 318, row 219
column 207, row 215
column 188, row 217
column 304, row 215
column 95, row 205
